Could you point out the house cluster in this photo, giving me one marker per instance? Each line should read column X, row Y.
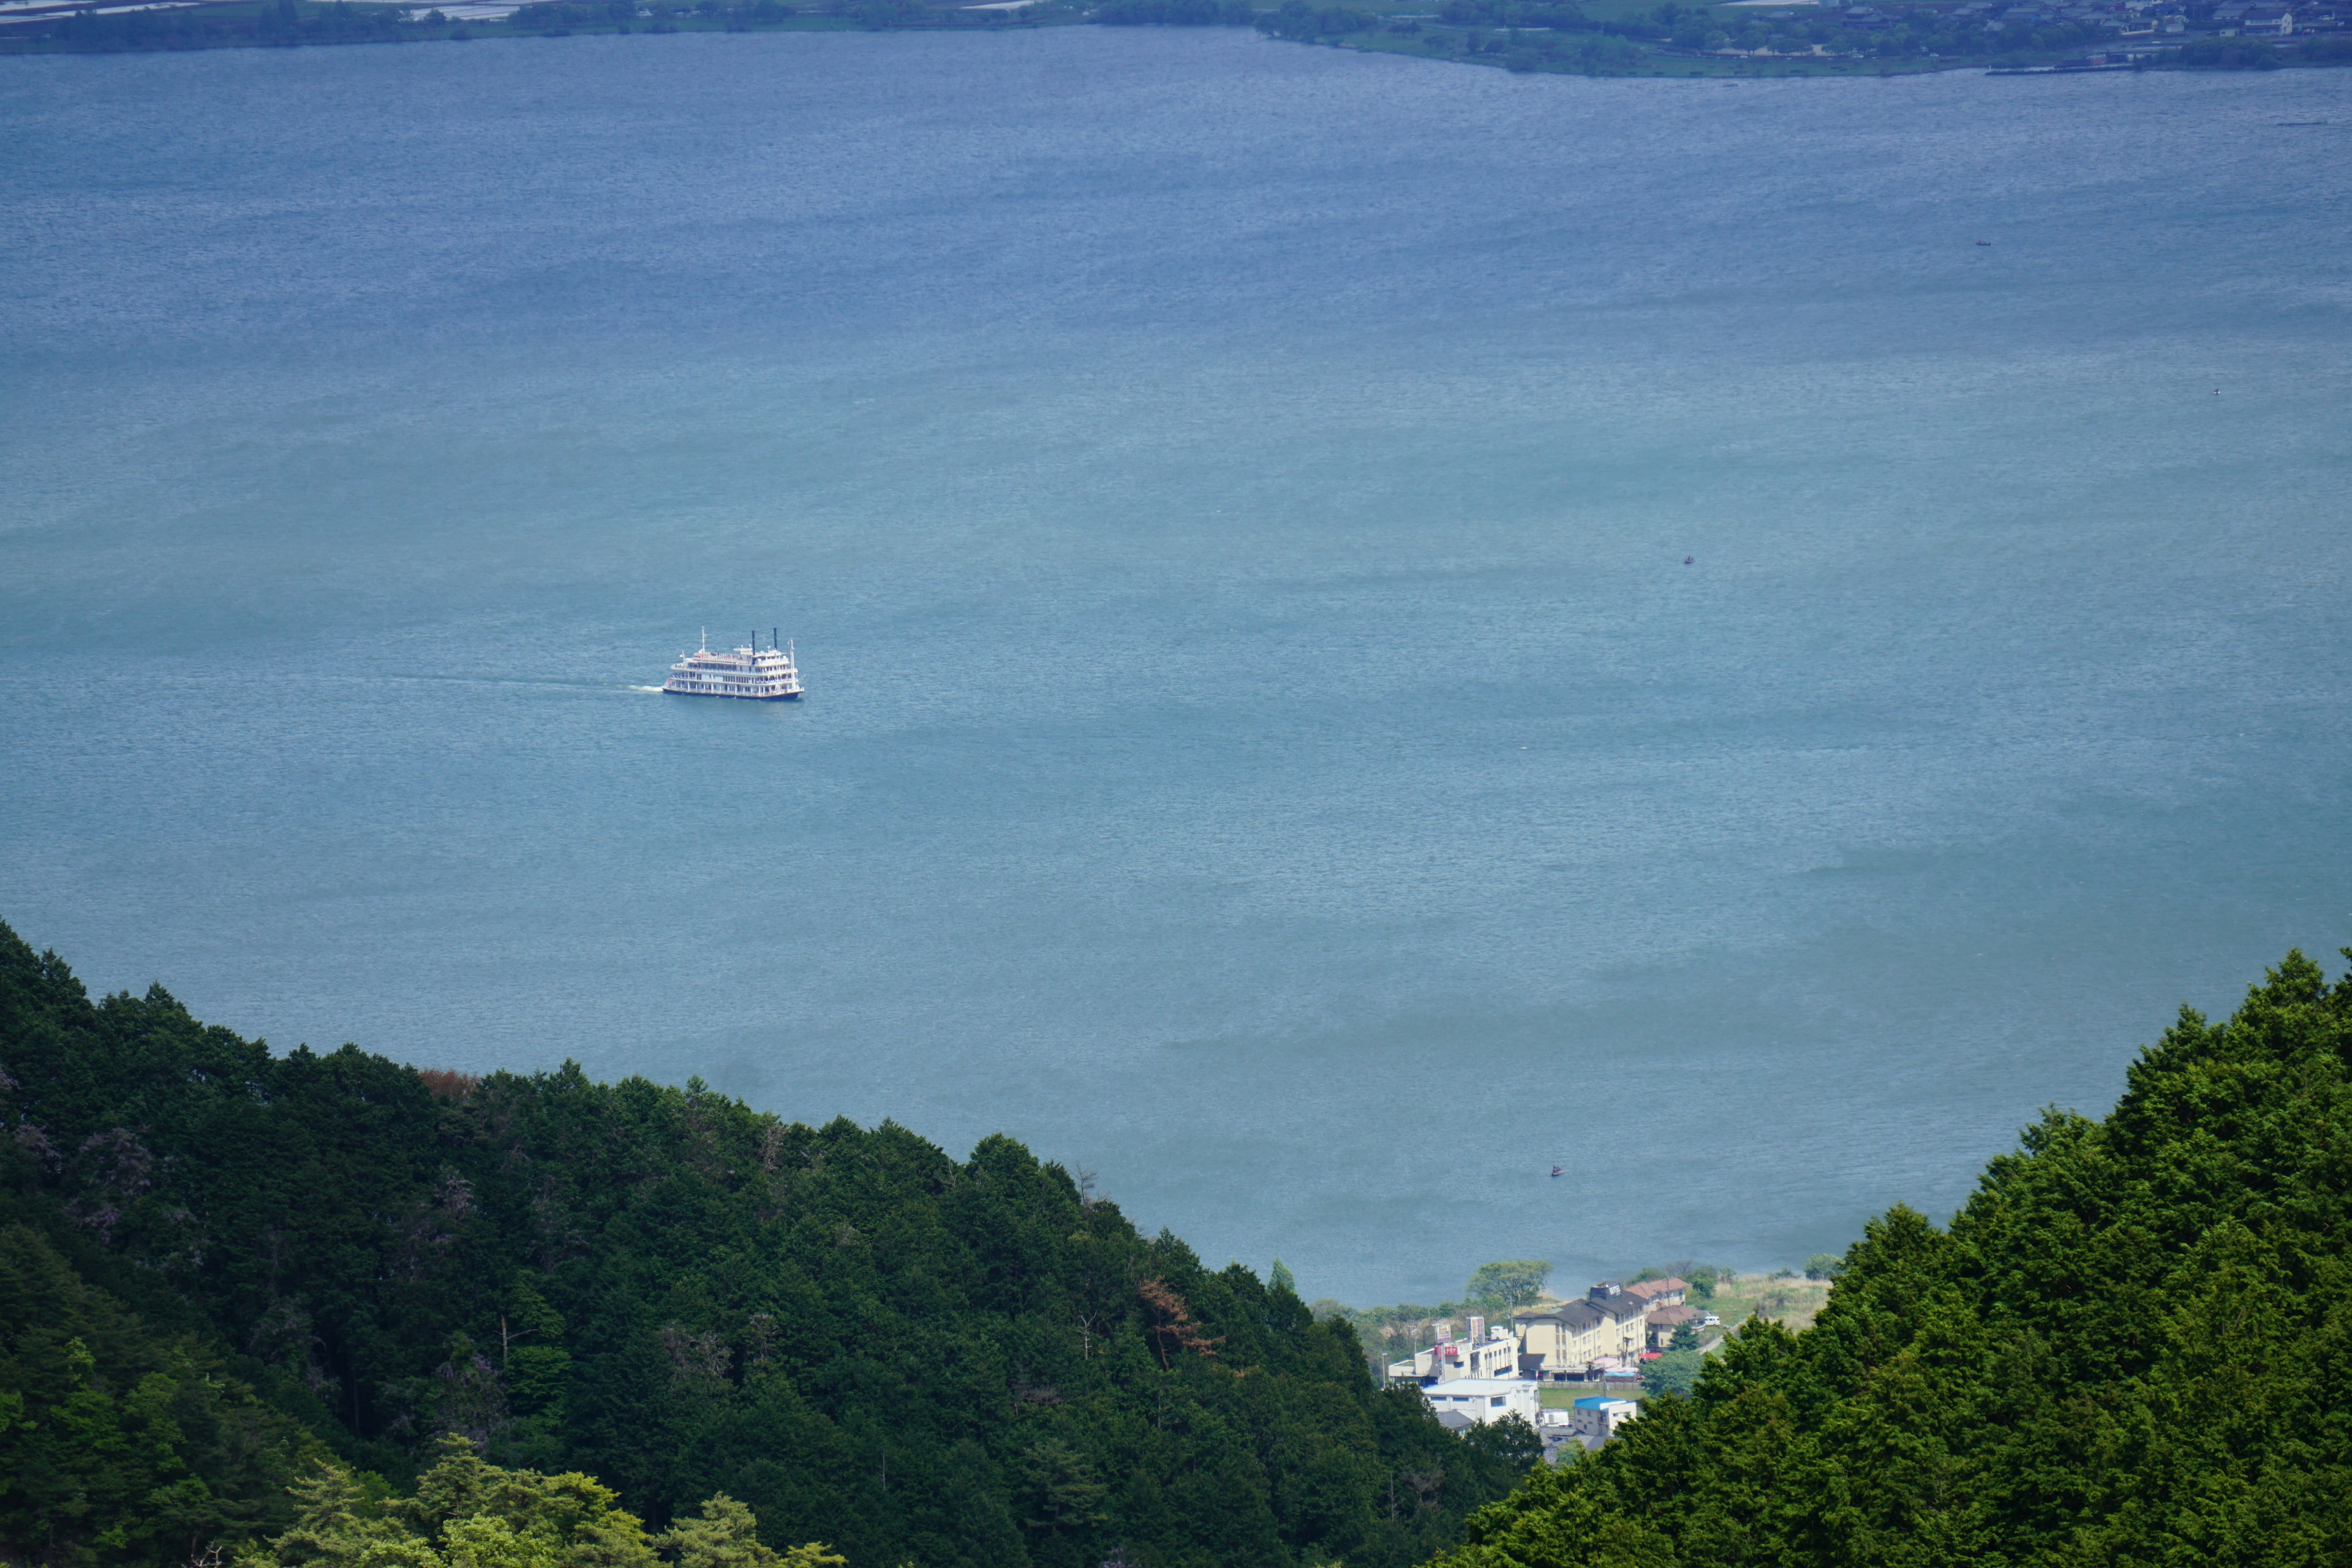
column 1497, row 1370
column 2139, row 28
column 2280, row 20
column 2126, row 18
column 2168, row 19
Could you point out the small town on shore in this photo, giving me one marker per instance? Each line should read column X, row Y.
column 2109, row 32
column 1777, row 37
column 1577, row 1369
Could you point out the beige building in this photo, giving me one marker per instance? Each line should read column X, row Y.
column 1661, row 1292
column 1625, row 1312
column 1564, row 1341
column 1664, row 1321
column 1561, row 1342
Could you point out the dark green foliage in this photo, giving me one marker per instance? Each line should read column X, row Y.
column 1304, row 23
column 2229, row 55
column 863, row 1339
column 119, row 1444
column 1177, row 12
column 892, row 13
column 2133, row 1346
column 1674, row 1371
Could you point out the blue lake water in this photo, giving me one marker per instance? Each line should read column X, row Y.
column 1265, row 743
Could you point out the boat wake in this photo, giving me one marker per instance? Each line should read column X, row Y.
column 656, row 689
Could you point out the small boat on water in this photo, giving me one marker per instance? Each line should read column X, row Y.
column 761, row 674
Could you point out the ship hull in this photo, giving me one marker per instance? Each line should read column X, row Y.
column 736, row 696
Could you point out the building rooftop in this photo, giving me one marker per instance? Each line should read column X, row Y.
column 1577, row 1315
column 1478, row 1387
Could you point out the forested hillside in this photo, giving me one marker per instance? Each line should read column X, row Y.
column 2133, row 1346
column 216, row 1264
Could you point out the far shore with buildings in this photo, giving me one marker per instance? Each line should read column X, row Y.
column 1572, row 1369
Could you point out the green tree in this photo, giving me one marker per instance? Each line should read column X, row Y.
column 534, row 1370
column 1060, row 1490
column 723, row 1535
column 119, row 1443
column 341, row 1523
column 1673, row 1371
column 1514, row 1283
column 467, row 1513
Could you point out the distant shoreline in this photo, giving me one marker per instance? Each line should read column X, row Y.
column 1605, row 38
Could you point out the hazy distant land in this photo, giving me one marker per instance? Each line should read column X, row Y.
column 1605, row 38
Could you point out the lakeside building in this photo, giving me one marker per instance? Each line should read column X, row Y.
column 1663, row 1322
column 1625, row 1312
column 1484, row 1352
column 1585, row 1425
column 1593, row 1420
column 1572, row 1341
column 1567, row 1343
column 1561, row 1344
column 1604, row 1333
column 1667, row 1292
column 1475, row 1401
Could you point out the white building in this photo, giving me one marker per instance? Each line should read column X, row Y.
column 1479, row 1400
column 1594, row 1421
column 1484, row 1352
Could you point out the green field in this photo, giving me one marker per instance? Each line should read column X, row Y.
column 1793, row 1304
column 1560, row 1397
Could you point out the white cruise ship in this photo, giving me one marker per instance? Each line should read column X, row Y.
column 763, row 674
